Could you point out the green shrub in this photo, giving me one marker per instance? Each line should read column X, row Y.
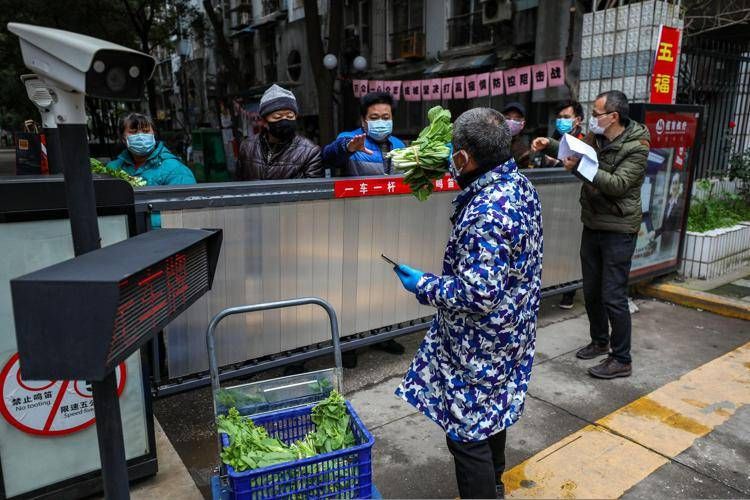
column 709, row 211
column 739, row 170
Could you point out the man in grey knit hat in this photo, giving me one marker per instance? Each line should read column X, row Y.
column 278, row 152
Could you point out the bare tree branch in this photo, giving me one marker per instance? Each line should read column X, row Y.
column 703, row 17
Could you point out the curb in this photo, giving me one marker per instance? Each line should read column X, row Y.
column 723, row 306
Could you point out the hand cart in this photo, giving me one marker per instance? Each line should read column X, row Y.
column 283, row 405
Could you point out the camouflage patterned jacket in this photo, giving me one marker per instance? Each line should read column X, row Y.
column 471, row 373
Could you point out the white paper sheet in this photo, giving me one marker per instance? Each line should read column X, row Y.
column 572, row 146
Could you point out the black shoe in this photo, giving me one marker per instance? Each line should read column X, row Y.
column 566, row 302
column 611, row 368
column 390, row 346
column 592, row 351
column 349, row 359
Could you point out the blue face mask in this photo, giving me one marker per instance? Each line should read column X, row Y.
column 141, row 144
column 564, row 125
column 379, row 129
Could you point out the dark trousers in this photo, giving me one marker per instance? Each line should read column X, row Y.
column 605, row 261
column 479, row 465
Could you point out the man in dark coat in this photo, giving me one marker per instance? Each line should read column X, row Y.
column 611, row 216
column 278, row 152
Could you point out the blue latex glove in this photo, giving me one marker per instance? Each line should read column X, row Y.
column 409, row 277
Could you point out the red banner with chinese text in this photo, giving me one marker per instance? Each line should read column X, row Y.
column 384, row 186
column 665, row 63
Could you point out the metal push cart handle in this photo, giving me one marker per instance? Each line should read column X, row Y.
column 303, row 301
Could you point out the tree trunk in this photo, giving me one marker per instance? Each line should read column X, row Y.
column 150, row 84
column 227, row 68
column 228, row 78
column 151, row 91
column 323, row 77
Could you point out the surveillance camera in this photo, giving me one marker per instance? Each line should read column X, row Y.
column 84, row 64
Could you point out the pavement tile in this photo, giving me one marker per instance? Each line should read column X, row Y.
column 411, row 460
column 377, row 405
column 724, row 454
column 668, row 341
column 674, row 480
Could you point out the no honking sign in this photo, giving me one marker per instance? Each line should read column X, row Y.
column 48, row 408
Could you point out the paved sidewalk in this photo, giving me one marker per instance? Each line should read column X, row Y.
column 411, row 459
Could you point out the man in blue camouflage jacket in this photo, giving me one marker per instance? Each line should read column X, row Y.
column 471, row 373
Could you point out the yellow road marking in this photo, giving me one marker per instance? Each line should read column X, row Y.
column 623, row 448
column 725, row 306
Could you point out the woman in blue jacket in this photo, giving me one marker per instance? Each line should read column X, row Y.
column 362, row 152
column 147, row 158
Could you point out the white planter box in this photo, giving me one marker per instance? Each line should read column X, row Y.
column 713, row 253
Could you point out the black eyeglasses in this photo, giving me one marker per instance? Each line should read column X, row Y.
column 597, row 115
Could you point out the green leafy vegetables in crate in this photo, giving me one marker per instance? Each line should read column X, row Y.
column 426, row 159
column 98, row 167
column 251, row 447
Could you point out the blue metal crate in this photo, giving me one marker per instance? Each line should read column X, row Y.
column 345, row 473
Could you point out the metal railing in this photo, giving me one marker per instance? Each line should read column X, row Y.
column 467, row 29
column 716, row 74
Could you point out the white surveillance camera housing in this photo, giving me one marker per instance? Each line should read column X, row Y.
column 43, row 97
column 82, row 64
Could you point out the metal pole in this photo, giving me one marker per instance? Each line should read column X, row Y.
column 79, row 191
column 54, row 155
column 111, row 442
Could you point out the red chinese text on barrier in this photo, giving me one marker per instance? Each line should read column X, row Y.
column 48, row 408
column 665, row 63
column 356, row 188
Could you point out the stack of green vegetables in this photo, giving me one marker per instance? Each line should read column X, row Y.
column 251, row 447
column 99, row 168
column 426, row 159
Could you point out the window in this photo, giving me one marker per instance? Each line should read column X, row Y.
column 465, row 25
column 270, row 6
column 407, row 29
column 409, row 119
column 364, row 26
column 268, row 53
column 294, row 65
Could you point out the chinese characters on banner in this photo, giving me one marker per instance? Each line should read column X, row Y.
column 508, row 81
column 665, row 63
column 524, row 79
column 356, row 188
column 556, row 73
column 539, row 73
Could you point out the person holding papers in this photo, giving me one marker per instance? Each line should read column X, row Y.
column 611, row 216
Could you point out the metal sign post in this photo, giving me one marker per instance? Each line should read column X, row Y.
column 79, row 190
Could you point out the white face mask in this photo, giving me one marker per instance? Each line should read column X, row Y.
column 595, row 127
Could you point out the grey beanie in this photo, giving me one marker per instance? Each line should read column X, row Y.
column 276, row 98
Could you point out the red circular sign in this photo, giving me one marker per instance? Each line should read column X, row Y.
column 48, row 408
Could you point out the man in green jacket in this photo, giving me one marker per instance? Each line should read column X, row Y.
column 611, row 216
